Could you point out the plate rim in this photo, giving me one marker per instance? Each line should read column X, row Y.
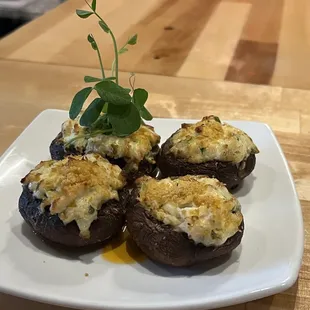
column 229, row 299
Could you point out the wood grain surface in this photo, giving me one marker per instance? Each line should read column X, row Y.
column 246, row 41
column 28, row 88
column 195, row 57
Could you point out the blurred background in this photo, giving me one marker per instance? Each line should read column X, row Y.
column 264, row 42
column 15, row 13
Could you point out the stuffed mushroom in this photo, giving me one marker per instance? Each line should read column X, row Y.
column 135, row 154
column 75, row 202
column 185, row 220
column 210, row 148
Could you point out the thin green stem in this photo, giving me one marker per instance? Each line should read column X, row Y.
column 124, row 46
column 113, row 67
column 100, row 61
column 99, row 56
column 114, row 43
column 116, row 56
column 115, row 50
column 113, row 63
column 89, row 5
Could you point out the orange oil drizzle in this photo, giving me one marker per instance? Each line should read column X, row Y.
column 122, row 250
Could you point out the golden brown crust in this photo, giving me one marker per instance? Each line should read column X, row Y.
column 208, row 140
column 229, row 173
column 161, row 243
column 199, row 206
column 133, row 148
column 74, row 185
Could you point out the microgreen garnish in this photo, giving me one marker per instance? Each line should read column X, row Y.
column 92, row 112
column 140, row 96
column 217, row 119
column 78, row 101
column 117, row 110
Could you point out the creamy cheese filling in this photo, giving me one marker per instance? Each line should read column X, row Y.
column 209, row 140
column 75, row 188
column 133, row 148
column 201, row 207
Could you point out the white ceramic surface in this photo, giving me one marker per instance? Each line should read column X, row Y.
column 267, row 261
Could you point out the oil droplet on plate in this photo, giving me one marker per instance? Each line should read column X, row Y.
column 122, row 250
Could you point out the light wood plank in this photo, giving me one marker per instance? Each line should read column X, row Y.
column 124, row 25
column 214, row 49
column 293, row 61
column 264, row 21
column 199, row 39
column 50, row 43
column 10, row 44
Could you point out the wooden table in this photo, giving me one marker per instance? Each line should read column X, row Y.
column 37, row 73
column 248, row 41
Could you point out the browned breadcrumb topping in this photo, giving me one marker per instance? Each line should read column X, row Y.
column 133, row 148
column 76, row 187
column 200, row 206
column 209, row 139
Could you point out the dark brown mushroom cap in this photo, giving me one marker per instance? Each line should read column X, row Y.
column 161, row 243
column 229, row 173
column 110, row 221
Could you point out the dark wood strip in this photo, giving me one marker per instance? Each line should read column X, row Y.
column 256, row 53
column 253, row 62
column 178, row 36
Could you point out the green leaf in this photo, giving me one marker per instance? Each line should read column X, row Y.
column 93, row 5
column 113, row 93
column 124, row 119
column 90, row 38
column 94, row 46
column 139, row 99
column 104, row 26
column 92, row 42
column 92, row 112
column 78, row 101
column 83, row 14
column 90, row 79
column 133, row 40
column 123, row 50
column 140, row 96
column 145, row 114
column 217, row 119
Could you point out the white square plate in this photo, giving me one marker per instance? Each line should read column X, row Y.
column 267, row 262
